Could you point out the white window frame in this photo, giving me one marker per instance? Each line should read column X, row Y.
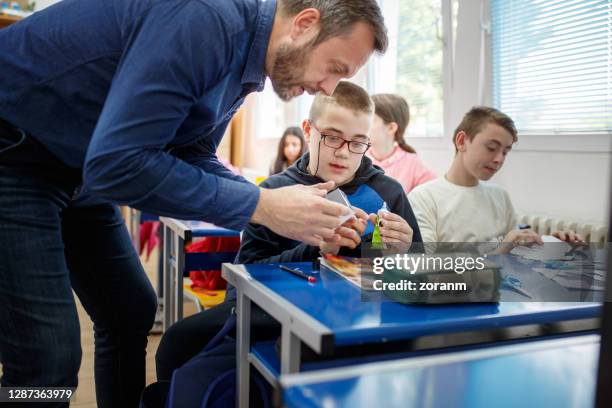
column 547, row 142
column 375, row 69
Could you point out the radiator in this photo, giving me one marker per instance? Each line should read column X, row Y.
column 544, row 225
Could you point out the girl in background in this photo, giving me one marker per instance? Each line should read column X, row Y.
column 389, row 149
column 291, row 147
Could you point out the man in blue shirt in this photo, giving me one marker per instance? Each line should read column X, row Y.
column 124, row 102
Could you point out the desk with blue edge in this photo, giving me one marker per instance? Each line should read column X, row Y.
column 331, row 313
column 558, row 373
column 175, row 261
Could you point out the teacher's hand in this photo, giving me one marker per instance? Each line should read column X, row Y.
column 300, row 212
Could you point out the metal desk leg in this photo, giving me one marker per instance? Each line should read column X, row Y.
column 135, row 227
column 290, row 351
column 167, row 238
column 243, row 346
column 160, row 266
column 178, row 272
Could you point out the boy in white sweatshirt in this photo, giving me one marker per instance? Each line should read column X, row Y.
column 462, row 206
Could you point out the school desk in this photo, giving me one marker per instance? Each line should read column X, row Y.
column 557, row 373
column 331, row 313
column 175, row 261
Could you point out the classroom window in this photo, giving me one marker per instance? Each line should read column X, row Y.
column 271, row 115
column 551, row 63
column 412, row 67
column 413, row 64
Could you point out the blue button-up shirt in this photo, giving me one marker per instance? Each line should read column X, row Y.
column 139, row 93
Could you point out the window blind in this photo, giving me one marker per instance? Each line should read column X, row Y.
column 552, row 64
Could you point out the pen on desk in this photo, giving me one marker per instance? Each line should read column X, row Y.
column 299, row 273
column 522, row 292
column 514, row 284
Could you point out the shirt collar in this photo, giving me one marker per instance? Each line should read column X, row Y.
column 255, row 70
column 396, row 154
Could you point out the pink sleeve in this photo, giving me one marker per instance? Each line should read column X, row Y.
column 420, row 174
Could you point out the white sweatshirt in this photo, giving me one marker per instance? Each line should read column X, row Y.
column 447, row 212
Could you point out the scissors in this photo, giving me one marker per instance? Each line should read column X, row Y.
column 510, row 282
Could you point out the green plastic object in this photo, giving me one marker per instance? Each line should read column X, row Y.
column 377, row 242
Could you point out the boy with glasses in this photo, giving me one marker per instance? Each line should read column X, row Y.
column 337, row 131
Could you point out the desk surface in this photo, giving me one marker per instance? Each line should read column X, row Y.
column 548, row 373
column 190, row 229
column 335, row 309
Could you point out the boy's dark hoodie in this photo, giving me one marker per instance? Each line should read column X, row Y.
column 368, row 190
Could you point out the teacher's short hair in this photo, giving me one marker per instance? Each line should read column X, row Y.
column 338, row 18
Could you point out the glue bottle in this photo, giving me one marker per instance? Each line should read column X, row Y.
column 377, row 241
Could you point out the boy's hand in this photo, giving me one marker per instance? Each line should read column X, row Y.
column 524, row 237
column 394, row 230
column 348, row 234
column 570, row 237
column 300, row 212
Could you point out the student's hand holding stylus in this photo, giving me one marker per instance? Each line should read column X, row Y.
column 300, row 212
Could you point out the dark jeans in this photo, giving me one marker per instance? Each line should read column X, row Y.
column 49, row 247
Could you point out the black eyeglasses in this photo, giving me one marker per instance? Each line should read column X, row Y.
column 336, row 142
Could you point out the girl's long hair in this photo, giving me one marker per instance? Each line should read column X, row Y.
column 393, row 108
column 281, row 161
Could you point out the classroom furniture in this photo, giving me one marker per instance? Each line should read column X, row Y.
column 203, row 298
column 133, row 219
column 545, row 225
column 136, row 218
column 545, row 373
column 6, row 20
column 176, row 262
column 331, row 313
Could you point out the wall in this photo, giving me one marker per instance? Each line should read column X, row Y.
column 564, row 184
column 41, row 4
